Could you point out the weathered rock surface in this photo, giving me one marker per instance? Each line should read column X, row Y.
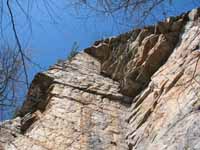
column 137, row 91
column 71, row 106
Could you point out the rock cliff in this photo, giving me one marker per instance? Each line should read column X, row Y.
column 136, row 91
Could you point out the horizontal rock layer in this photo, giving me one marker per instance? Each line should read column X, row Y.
column 136, row 91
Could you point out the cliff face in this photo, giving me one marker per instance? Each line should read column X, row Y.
column 137, row 91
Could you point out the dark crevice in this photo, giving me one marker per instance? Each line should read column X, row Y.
column 37, row 95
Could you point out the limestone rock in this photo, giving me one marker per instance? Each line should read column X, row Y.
column 72, row 106
column 136, row 91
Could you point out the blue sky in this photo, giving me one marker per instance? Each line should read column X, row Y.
column 52, row 39
column 46, row 40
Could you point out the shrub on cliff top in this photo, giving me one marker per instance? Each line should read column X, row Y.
column 74, row 51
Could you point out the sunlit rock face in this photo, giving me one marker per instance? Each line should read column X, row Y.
column 136, row 91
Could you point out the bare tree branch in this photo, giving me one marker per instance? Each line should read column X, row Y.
column 18, row 42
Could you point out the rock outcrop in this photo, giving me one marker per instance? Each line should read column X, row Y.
column 136, row 91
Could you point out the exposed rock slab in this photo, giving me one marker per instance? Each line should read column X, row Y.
column 132, row 58
column 137, row 91
column 71, row 106
column 168, row 117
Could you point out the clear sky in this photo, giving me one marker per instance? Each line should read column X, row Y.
column 50, row 36
column 51, row 39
